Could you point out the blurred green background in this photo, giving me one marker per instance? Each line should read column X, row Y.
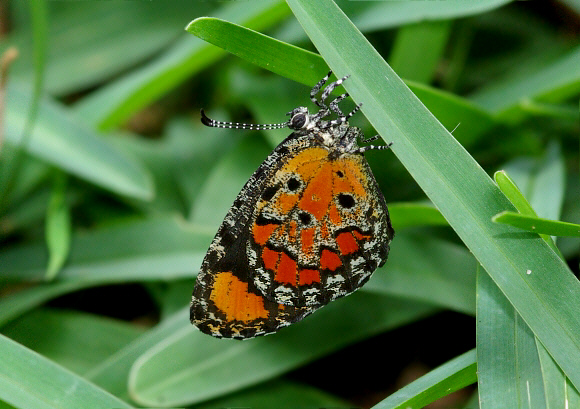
column 111, row 191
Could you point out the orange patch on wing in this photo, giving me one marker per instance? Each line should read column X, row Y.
column 334, row 215
column 318, row 194
column 307, row 240
column 306, row 161
column 354, row 181
column 285, row 202
column 347, row 243
column 329, row 260
column 230, row 295
column 308, row 276
column 262, row 233
column 270, row 258
column 308, row 170
column 287, row 269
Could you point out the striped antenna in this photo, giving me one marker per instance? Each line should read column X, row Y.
column 237, row 125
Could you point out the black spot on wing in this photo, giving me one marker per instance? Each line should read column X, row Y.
column 346, row 201
column 262, row 220
column 269, row 192
column 305, row 218
column 293, row 184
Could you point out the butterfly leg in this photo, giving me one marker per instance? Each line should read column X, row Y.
column 328, row 90
column 343, row 118
column 363, row 149
column 325, row 111
column 334, row 104
column 317, row 88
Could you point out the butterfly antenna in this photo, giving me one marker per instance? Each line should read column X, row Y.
column 207, row 121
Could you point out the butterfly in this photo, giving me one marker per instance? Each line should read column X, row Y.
column 310, row 226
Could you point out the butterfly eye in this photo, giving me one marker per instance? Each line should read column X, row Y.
column 346, row 201
column 298, row 121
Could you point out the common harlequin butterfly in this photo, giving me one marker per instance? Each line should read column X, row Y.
column 309, row 226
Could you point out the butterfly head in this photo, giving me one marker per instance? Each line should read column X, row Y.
column 335, row 133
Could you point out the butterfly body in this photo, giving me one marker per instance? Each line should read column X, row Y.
column 309, row 226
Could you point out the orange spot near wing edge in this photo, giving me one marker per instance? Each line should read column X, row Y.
column 347, row 243
column 308, row 276
column 231, row 296
column 329, row 260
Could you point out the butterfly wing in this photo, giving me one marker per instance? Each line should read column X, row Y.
column 226, row 302
column 320, row 229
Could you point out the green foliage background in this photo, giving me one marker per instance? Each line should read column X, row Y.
column 108, row 179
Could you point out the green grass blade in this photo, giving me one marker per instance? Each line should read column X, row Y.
column 513, row 193
column 553, row 83
column 112, row 373
column 28, row 380
column 538, row 225
column 16, row 304
column 389, row 14
column 514, row 368
column 26, row 214
column 58, row 227
column 516, row 197
column 384, row 15
column 116, row 102
column 66, row 337
column 549, row 183
column 418, row 48
column 90, row 42
column 455, row 183
column 60, row 140
column 557, row 389
column 209, row 368
column 542, row 180
column 179, row 162
column 281, row 58
column 429, row 270
column 307, row 68
column 553, row 110
column 412, row 214
column 279, row 394
column 12, row 164
column 449, row 377
column 468, row 122
column 159, row 248
column 39, row 21
column 496, row 340
column 225, row 180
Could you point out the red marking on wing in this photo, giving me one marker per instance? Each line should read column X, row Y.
column 347, row 243
column 308, row 276
column 334, row 215
column 318, row 194
column 287, row 270
column 262, row 233
column 329, row 260
column 270, row 258
column 307, row 240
